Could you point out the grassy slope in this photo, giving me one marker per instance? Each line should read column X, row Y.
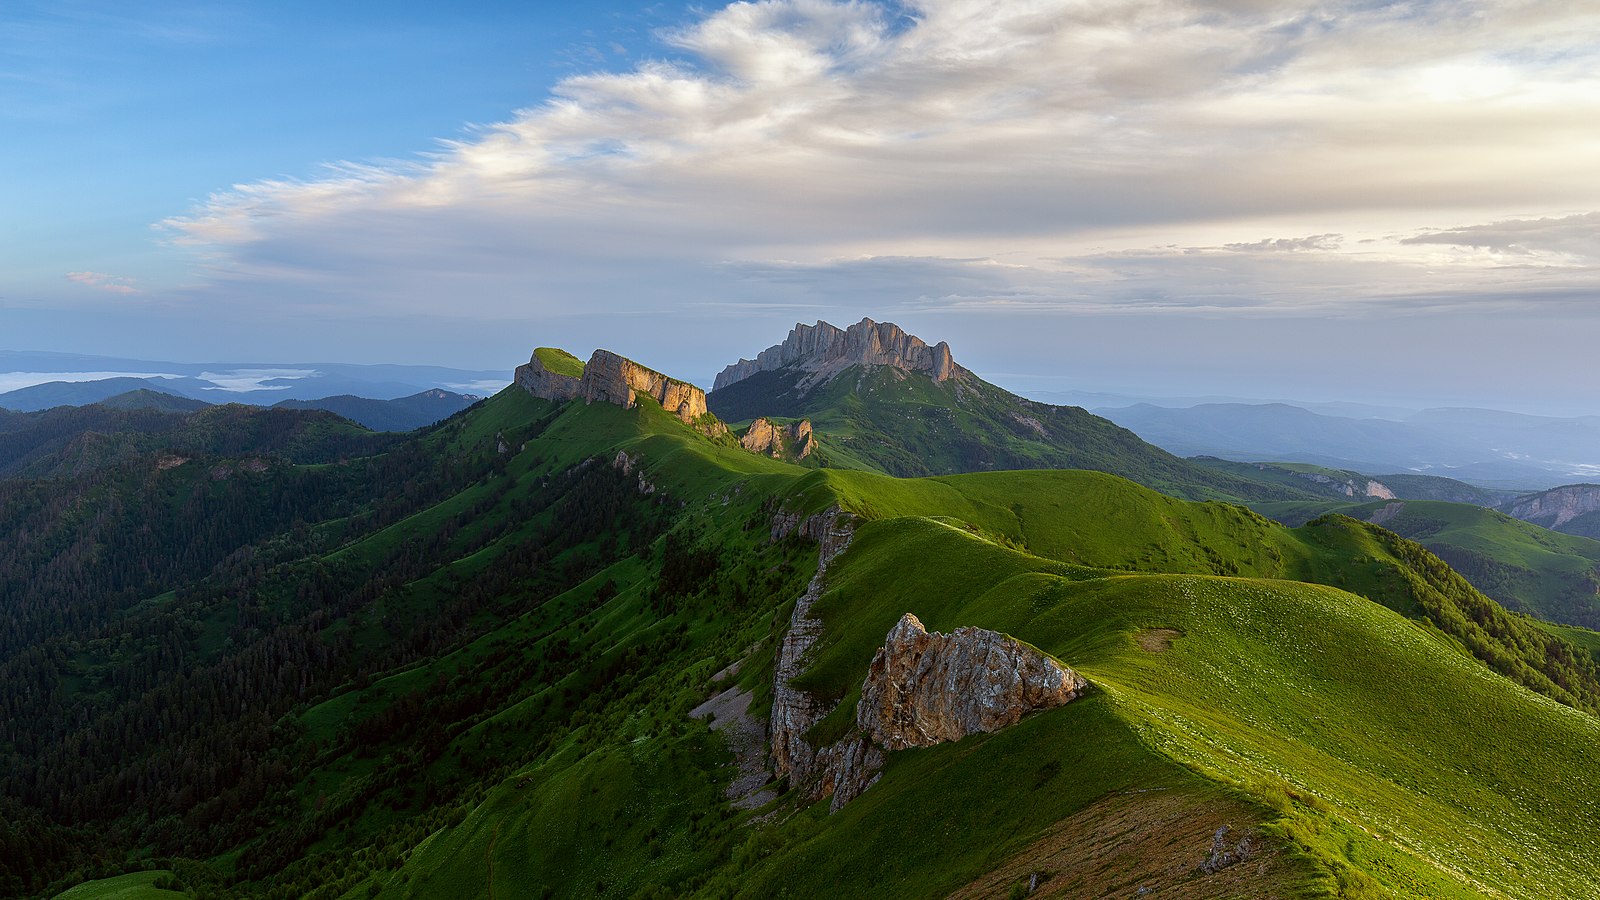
column 1429, row 774
column 1224, row 711
column 1372, row 747
column 906, row 424
column 1525, row 567
column 133, row 886
column 1407, row 486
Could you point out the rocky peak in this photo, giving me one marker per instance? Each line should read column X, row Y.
column 824, row 351
column 610, row 378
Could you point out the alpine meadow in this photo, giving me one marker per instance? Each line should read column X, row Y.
column 465, row 451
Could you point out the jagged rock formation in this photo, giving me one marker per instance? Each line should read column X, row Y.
column 925, row 688
column 765, row 436
column 1556, row 507
column 825, row 350
column 609, row 378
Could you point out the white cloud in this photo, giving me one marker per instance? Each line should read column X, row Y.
column 1037, row 154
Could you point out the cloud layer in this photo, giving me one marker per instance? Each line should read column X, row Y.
column 1220, row 158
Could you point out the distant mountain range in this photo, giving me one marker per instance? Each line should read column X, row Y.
column 1490, row 448
column 398, row 414
column 35, row 380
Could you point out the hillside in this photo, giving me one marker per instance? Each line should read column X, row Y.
column 1525, row 567
column 1344, row 483
column 1571, row 509
column 882, row 400
column 530, row 651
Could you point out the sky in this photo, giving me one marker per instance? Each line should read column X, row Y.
column 1381, row 202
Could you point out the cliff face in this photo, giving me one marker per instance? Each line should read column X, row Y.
column 545, row 384
column 778, row 441
column 825, row 351
column 609, row 378
column 1557, row 506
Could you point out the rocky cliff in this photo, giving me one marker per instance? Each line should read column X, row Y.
column 543, row 383
column 609, row 378
column 793, row 710
column 779, row 441
column 825, row 350
column 1556, row 507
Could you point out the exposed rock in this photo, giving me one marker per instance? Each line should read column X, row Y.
column 545, row 384
column 1222, row 856
column 609, row 378
column 795, row 711
column 729, row 713
column 778, row 441
column 927, row 688
column 921, row 689
column 825, row 350
column 1350, row 487
column 1557, row 506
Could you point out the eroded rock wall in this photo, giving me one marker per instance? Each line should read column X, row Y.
column 825, row 350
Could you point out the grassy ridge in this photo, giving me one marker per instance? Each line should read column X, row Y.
column 1524, row 567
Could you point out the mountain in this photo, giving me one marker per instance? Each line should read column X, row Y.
column 1506, row 451
column 78, row 393
column 75, row 441
column 578, row 641
column 1345, row 483
column 229, row 382
column 1571, row 508
column 883, row 400
column 401, row 414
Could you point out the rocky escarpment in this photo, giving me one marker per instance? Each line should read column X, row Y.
column 824, row 350
column 609, row 378
column 1556, row 507
column 545, row 384
column 794, row 711
column 778, row 441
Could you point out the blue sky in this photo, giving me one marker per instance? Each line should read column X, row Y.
column 1396, row 202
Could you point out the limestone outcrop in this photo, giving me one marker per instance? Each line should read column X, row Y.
column 545, row 384
column 794, row 711
column 1557, row 506
column 778, row 441
column 926, row 688
column 823, row 351
column 609, row 378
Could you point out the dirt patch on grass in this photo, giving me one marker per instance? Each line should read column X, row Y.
column 1157, row 640
column 1149, row 843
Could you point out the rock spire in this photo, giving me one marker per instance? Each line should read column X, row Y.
column 824, row 351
